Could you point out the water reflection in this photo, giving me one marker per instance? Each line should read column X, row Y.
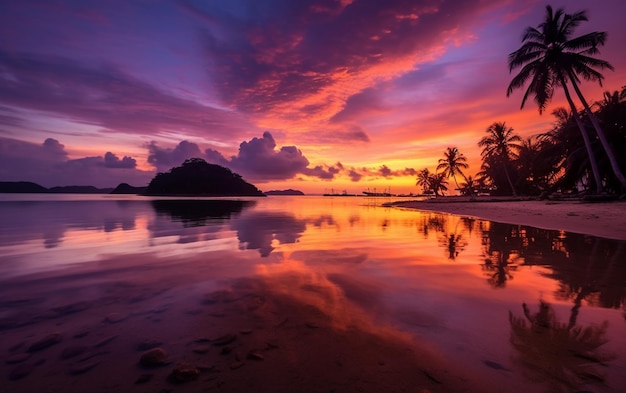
column 24, row 221
column 198, row 212
column 259, row 230
column 317, row 270
column 564, row 356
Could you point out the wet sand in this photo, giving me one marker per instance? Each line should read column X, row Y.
column 166, row 330
column 603, row 219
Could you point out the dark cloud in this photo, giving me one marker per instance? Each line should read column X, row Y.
column 112, row 161
column 291, row 50
column 366, row 102
column 258, row 159
column 164, row 159
column 106, row 97
column 48, row 165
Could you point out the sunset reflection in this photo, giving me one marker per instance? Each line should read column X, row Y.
column 297, row 272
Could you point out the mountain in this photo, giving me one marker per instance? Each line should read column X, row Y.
column 284, row 192
column 30, row 187
column 197, row 177
column 79, row 190
column 125, row 188
column 21, row 187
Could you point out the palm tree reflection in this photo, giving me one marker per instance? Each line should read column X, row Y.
column 564, row 356
column 498, row 267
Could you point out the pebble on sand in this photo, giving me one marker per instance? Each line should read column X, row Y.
column 154, row 358
column 184, row 372
column 21, row 371
column 45, row 342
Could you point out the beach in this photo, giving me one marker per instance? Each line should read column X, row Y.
column 602, row 219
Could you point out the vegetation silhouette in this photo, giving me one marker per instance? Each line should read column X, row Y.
column 500, row 146
column 453, row 164
column 564, row 356
column 551, row 58
column 578, row 153
column 196, row 177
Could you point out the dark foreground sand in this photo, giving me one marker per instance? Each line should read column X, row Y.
column 168, row 332
column 605, row 219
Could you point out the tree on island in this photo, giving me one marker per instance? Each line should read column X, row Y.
column 551, row 58
column 196, row 177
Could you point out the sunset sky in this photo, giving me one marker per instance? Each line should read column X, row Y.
column 309, row 94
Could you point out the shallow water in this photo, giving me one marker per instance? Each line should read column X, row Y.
column 514, row 307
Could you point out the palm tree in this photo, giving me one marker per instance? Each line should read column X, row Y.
column 423, row 179
column 550, row 58
column 438, row 183
column 452, row 163
column 469, row 187
column 502, row 144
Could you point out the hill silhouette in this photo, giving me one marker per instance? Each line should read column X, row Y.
column 197, row 177
column 284, row 192
column 125, row 188
column 21, row 187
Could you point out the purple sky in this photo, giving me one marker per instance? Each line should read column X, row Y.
column 308, row 94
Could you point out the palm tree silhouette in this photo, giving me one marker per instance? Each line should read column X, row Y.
column 452, row 164
column 438, row 183
column 423, row 179
column 550, row 58
column 501, row 144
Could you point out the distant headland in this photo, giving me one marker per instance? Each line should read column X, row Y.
column 195, row 177
column 284, row 192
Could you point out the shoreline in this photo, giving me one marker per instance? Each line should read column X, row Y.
column 602, row 219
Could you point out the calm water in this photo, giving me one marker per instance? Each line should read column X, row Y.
column 523, row 308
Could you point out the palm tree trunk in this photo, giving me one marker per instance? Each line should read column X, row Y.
column 508, row 178
column 605, row 143
column 583, row 131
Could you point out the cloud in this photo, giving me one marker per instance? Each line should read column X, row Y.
column 48, row 165
column 259, row 159
column 305, row 60
column 112, row 161
column 106, row 97
column 164, row 159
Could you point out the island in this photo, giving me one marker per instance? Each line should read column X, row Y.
column 26, row 187
column 196, row 177
column 125, row 188
column 284, row 192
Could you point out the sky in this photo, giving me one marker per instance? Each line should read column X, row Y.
column 315, row 95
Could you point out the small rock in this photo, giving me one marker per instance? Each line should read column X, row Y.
column 17, row 358
column 81, row 333
column 148, row 344
column 21, row 371
column 154, row 358
column 81, row 368
column 105, row 341
column 236, row 365
column 254, row 355
column 202, row 349
column 143, row 378
column 224, row 340
column 226, row 350
column 72, row 351
column 45, row 342
column 184, row 372
column 246, row 331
